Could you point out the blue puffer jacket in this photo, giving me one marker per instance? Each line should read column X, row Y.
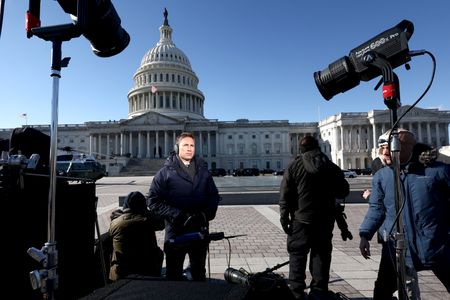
column 173, row 192
column 426, row 212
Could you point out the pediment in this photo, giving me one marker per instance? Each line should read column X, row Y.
column 152, row 118
column 416, row 112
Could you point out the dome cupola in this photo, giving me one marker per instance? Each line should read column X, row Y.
column 165, row 82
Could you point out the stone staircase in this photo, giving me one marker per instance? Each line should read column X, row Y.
column 142, row 167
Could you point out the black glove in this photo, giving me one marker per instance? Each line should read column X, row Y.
column 286, row 223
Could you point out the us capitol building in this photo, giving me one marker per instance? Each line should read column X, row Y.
column 165, row 101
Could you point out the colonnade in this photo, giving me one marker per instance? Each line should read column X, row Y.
column 147, row 144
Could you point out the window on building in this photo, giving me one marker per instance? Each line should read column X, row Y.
column 254, row 149
column 167, row 77
column 161, row 77
column 279, row 165
column 253, row 136
column 241, row 149
column 267, row 148
column 266, row 136
column 230, row 137
column 277, row 147
column 230, row 148
column 278, row 136
column 241, row 137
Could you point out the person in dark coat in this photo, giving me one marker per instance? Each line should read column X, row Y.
column 135, row 250
column 309, row 189
column 425, row 185
column 183, row 192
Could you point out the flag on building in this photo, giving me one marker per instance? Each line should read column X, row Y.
column 23, row 115
column 154, row 89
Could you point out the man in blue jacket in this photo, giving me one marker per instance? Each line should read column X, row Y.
column 425, row 185
column 183, row 192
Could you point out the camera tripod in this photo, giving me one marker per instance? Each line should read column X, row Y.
column 47, row 278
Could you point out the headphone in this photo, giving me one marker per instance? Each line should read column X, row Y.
column 176, row 147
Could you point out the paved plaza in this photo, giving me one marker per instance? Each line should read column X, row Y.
column 264, row 243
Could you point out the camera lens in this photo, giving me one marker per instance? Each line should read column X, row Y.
column 339, row 77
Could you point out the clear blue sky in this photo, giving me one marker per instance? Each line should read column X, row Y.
column 254, row 59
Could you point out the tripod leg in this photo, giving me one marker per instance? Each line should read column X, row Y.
column 209, row 264
column 102, row 257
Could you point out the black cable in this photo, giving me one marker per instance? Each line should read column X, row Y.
column 399, row 213
column 412, row 53
column 416, row 53
column 2, row 10
column 229, row 251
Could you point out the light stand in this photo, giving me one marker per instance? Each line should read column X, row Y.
column 391, row 95
column 47, row 278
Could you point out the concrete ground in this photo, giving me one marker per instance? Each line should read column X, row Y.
column 264, row 243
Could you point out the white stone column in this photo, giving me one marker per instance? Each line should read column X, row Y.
column 360, row 138
column 438, row 136
column 139, row 145
column 217, row 144
column 116, row 144
column 200, row 145
column 90, row 144
column 122, row 146
column 98, row 145
column 208, row 149
column 130, row 143
column 108, row 152
column 336, row 140
column 166, row 143
column 419, row 131
column 157, row 154
column 428, row 133
column 374, row 136
column 148, row 145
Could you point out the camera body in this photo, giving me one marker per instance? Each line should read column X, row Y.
column 347, row 72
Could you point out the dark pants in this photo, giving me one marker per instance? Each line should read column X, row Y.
column 386, row 282
column 176, row 254
column 317, row 239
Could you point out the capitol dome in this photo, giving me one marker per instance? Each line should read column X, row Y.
column 165, row 83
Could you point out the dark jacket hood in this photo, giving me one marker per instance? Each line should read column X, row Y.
column 314, row 161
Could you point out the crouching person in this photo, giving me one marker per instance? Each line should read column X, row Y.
column 135, row 250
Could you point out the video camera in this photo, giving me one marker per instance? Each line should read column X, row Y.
column 346, row 72
column 262, row 285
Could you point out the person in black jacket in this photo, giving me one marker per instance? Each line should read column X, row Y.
column 183, row 192
column 308, row 193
